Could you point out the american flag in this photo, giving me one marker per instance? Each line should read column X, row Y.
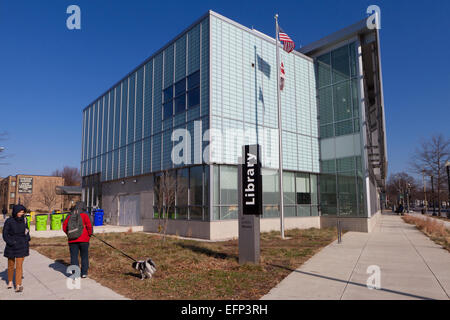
column 288, row 44
column 282, row 77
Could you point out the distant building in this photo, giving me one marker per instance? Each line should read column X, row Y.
column 35, row 192
column 71, row 195
column 220, row 76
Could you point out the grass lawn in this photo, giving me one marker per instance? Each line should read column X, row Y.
column 431, row 227
column 188, row 269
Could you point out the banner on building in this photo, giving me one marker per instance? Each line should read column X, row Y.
column 26, row 185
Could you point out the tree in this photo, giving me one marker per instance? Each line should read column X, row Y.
column 401, row 184
column 166, row 189
column 48, row 195
column 27, row 199
column 72, row 176
column 430, row 158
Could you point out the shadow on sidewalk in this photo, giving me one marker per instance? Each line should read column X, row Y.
column 4, row 276
column 60, row 266
column 349, row 282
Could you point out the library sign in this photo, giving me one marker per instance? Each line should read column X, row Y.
column 26, row 185
column 252, row 180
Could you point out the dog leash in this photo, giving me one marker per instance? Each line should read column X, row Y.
column 115, row 248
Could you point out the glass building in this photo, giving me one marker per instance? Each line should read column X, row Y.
column 211, row 90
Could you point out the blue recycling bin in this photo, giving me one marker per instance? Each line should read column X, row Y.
column 98, row 217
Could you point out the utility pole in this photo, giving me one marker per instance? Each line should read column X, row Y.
column 408, row 191
column 447, row 165
column 424, row 192
column 432, row 195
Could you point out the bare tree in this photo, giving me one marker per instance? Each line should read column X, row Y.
column 48, row 195
column 166, row 191
column 401, row 184
column 27, row 199
column 71, row 175
column 430, row 158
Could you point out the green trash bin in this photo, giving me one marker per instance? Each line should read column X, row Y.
column 28, row 219
column 64, row 216
column 41, row 222
column 55, row 221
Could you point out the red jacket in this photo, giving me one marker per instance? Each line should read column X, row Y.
column 87, row 230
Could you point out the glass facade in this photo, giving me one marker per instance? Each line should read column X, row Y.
column 185, row 192
column 341, row 179
column 341, row 187
column 244, row 99
column 127, row 131
column 337, row 89
column 300, row 193
column 224, row 75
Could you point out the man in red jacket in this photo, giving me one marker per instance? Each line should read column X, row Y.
column 81, row 244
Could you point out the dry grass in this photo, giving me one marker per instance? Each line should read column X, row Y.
column 433, row 228
column 188, row 269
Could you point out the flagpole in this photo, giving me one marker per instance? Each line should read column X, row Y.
column 280, row 146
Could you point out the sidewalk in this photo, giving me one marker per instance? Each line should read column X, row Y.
column 45, row 279
column 412, row 267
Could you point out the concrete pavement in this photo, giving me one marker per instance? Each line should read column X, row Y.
column 411, row 267
column 45, row 279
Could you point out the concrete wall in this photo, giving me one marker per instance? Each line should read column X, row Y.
column 111, row 191
column 358, row 224
column 227, row 229
column 183, row 228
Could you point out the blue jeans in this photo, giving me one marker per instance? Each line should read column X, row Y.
column 83, row 249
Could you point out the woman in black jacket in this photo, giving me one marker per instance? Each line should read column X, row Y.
column 17, row 238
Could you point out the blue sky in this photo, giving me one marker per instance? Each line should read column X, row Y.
column 48, row 73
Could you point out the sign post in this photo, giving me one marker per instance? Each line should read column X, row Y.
column 250, row 204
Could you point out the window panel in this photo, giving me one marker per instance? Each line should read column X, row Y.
column 340, row 64
column 271, row 193
column 228, row 212
column 324, row 70
column 228, row 185
column 180, row 104
column 327, row 131
column 328, row 200
column 168, row 110
column 344, row 127
column 195, row 187
column 194, row 80
column 302, row 187
column 325, row 105
column 289, row 188
column 182, row 187
column 313, row 179
column 194, row 97
column 347, row 195
column 342, row 102
column 180, row 87
column 195, row 213
column 168, row 94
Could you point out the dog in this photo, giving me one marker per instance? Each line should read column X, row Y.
column 146, row 268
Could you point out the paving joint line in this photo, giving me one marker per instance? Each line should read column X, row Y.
column 354, row 267
column 423, row 259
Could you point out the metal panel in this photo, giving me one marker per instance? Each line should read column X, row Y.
column 130, row 210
